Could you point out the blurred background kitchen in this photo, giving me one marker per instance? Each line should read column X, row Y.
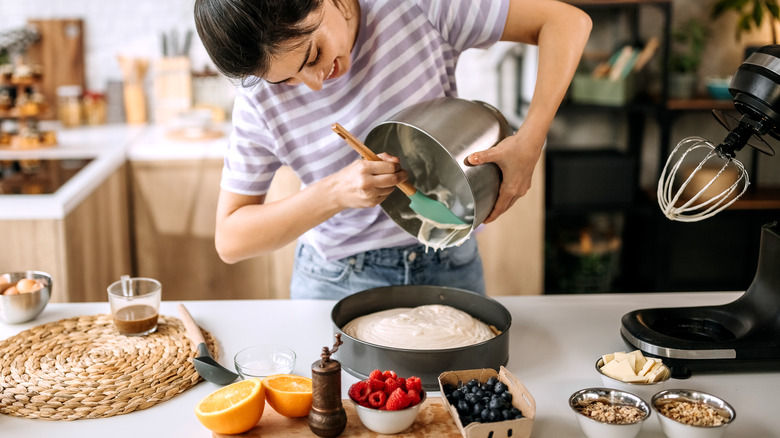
column 113, row 123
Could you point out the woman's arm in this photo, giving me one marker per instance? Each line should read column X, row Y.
column 248, row 227
column 561, row 32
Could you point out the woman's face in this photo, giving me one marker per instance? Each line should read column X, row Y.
column 323, row 55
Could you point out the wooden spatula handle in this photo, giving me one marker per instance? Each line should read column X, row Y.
column 368, row 154
column 193, row 331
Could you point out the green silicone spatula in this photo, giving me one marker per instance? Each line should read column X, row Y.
column 421, row 204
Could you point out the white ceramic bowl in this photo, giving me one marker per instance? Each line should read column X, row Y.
column 593, row 428
column 24, row 307
column 644, row 390
column 388, row 422
column 675, row 429
column 264, row 360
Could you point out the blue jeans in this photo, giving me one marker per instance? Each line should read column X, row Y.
column 458, row 267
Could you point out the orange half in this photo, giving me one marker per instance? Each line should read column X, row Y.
column 288, row 394
column 235, row 408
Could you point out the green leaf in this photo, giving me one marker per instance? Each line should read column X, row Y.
column 774, row 8
column 758, row 13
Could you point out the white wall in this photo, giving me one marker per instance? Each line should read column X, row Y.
column 112, row 27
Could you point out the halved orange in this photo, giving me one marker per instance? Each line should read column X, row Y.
column 288, row 394
column 234, row 408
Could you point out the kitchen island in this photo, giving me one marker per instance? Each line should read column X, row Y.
column 554, row 342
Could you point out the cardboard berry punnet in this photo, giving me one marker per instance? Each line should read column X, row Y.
column 521, row 399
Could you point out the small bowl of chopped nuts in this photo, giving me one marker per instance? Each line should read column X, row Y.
column 692, row 414
column 609, row 413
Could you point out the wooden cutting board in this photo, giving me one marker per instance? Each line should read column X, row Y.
column 433, row 421
column 60, row 51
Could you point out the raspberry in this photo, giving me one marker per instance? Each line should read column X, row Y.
column 377, row 399
column 397, row 400
column 360, row 391
column 391, row 385
column 389, row 373
column 376, row 385
column 401, row 382
column 414, row 383
column 414, row 396
column 377, row 375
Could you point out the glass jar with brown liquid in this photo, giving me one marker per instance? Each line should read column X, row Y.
column 135, row 305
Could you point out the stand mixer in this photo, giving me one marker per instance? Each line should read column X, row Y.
column 744, row 334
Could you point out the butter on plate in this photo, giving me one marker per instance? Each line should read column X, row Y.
column 633, row 367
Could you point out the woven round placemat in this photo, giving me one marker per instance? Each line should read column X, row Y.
column 82, row 368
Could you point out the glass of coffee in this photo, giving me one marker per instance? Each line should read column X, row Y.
column 135, row 305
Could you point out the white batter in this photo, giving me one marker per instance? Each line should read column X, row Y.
column 429, row 327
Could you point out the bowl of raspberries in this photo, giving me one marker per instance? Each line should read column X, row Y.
column 386, row 403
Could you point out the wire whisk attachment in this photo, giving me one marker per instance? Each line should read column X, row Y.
column 698, row 181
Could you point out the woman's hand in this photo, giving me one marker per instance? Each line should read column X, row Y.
column 516, row 156
column 365, row 183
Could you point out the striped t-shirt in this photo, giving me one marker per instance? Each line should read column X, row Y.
column 406, row 51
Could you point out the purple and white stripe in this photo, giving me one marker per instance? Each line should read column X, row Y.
column 405, row 53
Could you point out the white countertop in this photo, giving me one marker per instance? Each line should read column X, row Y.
column 554, row 341
column 110, row 146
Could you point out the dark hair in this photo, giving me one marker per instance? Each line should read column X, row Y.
column 242, row 36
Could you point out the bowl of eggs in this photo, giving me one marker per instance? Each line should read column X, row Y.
column 24, row 295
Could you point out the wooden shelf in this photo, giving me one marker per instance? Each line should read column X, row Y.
column 701, row 104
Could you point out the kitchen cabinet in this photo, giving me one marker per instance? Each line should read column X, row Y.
column 84, row 251
column 174, row 217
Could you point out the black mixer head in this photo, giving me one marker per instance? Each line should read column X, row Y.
column 756, row 90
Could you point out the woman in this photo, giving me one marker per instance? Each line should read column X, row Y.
column 306, row 64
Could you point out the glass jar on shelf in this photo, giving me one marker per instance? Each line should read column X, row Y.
column 94, row 108
column 69, row 105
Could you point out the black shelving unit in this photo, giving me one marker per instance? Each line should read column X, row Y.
column 655, row 254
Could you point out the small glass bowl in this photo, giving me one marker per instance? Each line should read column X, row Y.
column 264, row 360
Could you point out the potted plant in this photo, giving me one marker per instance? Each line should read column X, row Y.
column 751, row 14
column 688, row 43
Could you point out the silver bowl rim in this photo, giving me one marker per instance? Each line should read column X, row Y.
column 697, row 396
column 637, row 402
column 637, row 384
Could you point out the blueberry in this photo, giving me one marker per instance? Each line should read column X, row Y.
column 471, row 383
column 506, row 414
column 485, row 415
column 499, row 388
column 494, row 415
column 507, row 396
column 471, row 398
column 463, row 407
column 480, row 393
column 486, row 387
column 448, row 388
column 492, row 381
column 496, row 403
column 478, row 408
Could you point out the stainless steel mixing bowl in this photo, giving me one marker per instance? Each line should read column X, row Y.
column 24, row 307
column 359, row 358
column 432, row 139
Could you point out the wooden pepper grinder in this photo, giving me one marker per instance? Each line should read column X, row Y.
column 327, row 417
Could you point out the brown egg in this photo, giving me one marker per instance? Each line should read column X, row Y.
column 11, row 291
column 28, row 285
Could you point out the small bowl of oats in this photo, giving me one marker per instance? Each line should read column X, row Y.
column 609, row 413
column 692, row 414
